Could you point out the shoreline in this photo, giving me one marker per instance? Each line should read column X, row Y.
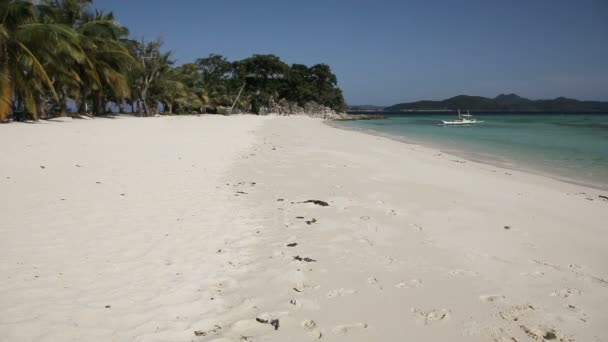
column 285, row 228
column 477, row 158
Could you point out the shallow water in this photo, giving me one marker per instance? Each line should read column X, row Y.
column 573, row 147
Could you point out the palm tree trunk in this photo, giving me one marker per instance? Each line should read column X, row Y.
column 96, row 104
column 63, row 103
column 7, row 102
column 122, row 105
column 103, row 101
column 40, row 112
column 82, row 107
column 140, row 107
column 7, row 90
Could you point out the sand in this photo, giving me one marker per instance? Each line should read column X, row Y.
column 195, row 229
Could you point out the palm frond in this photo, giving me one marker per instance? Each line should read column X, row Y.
column 30, row 103
column 6, row 93
column 36, row 67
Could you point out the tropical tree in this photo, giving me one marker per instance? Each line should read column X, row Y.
column 108, row 60
column 263, row 76
column 149, row 69
column 196, row 96
column 27, row 46
column 217, row 81
column 57, row 52
column 104, row 69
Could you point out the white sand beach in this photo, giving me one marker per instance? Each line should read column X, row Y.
column 196, row 229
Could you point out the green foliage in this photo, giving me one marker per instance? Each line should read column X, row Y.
column 53, row 52
column 266, row 80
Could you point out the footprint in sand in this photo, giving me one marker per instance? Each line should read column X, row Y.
column 367, row 241
column 301, row 282
column 579, row 314
column 344, row 329
column 574, row 268
column 371, row 281
column 542, row 333
column 386, row 260
column 532, row 274
column 491, row 298
column 463, row 272
column 500, row 335
column 305, row 304
column 409, row 284
column 311, row 328
column 416, row 227
column 565, row 293
column 431, row 317
column 340, row 293
column 515, row 312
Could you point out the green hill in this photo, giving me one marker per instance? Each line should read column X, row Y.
column 502, row 102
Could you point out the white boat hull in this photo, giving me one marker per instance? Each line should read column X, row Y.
column 460, row 122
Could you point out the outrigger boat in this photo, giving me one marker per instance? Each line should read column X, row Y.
column 463, row 119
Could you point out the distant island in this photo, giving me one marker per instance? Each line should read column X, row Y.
column 366, row 108
column 502, row 102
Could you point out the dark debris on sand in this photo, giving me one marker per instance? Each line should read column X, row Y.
column 317, row 202
column 305, row 259
column 273, row 322
column 215, row 329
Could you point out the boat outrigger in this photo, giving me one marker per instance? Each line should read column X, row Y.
column 463, row 119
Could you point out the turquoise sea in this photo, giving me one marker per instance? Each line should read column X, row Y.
column 572, row 147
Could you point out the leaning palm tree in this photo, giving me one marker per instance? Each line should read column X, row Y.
column 108, row 59
column 27, row 45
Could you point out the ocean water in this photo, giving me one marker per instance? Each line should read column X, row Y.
column 572, row 147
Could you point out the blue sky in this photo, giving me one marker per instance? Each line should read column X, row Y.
column 385, row 52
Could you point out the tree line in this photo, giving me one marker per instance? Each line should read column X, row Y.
column 64, row 56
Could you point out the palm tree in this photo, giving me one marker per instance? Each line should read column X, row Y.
column 108, row 59
column 27, row 45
